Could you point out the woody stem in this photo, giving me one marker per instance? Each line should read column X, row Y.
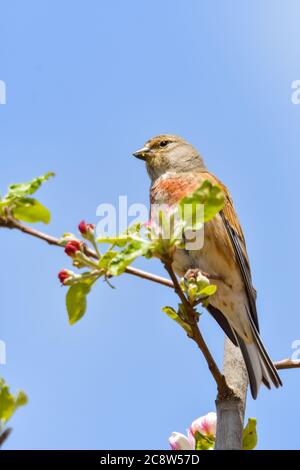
column 223, row 389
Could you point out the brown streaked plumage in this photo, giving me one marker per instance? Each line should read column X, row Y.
column 176, row 170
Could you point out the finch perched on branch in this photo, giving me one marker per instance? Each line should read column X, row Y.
column 176, row 170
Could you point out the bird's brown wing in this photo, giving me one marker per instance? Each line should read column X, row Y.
column 235, row 233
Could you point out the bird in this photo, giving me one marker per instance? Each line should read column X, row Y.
column 176, row 169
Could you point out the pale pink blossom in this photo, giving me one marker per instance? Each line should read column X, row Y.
column 206, row 425
column 179, row 441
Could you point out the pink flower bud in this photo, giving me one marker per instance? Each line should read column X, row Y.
column 179, row 441
column 64, row 275
column 206, row 425
column 86, row 229
column 72, row 247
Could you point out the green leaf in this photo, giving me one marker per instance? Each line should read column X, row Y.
column 174, row 315
column 214, row 200
column 208, row 290
column 211, row 196
column 20, row 190
column 203, row 442
column 125, row 257
column 21, row 398
column 30, row 210
column 133, row 229
column 132, row 233
column 106, row 259
column 76, row 300
column 250, row 435
column 119, row 241
column 9, row 403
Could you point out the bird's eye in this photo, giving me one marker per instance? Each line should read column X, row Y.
column 163, row 143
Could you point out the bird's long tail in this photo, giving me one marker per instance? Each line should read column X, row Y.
column 259, row 366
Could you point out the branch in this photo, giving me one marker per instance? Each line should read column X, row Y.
column 231, row 386
column 11, row 223
column 287, row 364
column 231, row 411
column 223, row 389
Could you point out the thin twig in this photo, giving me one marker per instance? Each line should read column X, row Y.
column 149, row 276
column 10, row 222
column 287, row 364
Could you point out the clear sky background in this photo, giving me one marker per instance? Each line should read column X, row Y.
column 87, row 83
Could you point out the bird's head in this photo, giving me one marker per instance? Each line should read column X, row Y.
column 169, row 153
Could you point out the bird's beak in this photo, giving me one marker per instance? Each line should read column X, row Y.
column 142, row 153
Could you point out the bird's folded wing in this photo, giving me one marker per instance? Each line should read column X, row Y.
column 235, row 233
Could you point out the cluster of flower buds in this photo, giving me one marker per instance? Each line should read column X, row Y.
column 76, row 250
column 205, row 425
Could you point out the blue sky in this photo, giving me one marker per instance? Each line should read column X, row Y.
column 87, row 84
